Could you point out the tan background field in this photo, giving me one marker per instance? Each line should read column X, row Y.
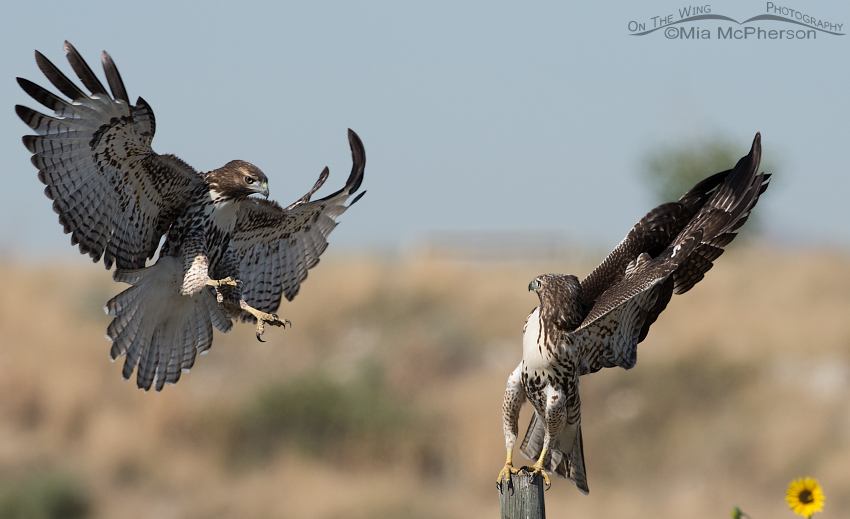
column 383, row 400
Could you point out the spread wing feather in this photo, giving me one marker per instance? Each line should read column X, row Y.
column 620, row 317
column 277, row 246
column 113, row 194
column 651, row 235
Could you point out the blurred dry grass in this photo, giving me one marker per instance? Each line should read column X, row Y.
column 742, row 385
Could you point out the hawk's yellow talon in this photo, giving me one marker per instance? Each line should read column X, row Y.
column 226, row 282
column 263, row 318
column 506, row 474
column 537, row 468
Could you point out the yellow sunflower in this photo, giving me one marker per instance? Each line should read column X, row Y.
column 805, row 497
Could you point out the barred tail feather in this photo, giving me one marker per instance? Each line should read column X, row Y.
column 567, row 464
column 532, row 444
column 571, row 465
column 158, row 329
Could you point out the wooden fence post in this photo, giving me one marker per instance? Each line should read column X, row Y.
column 523, row 499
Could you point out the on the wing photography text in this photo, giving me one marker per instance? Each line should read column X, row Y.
column 803, row 25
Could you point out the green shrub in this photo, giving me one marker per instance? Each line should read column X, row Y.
column 45, row 496
column 318, row 416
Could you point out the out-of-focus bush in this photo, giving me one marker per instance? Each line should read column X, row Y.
column 318, row 416
column 45, row 496
column 673, row 169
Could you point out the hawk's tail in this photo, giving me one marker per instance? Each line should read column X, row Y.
column 569, row 464
column 157, row 328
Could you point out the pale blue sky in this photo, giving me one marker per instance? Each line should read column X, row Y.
column 474, row 115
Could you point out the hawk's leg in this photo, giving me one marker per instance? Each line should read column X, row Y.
column 263, row 318
column 196, row 266
column 226, row 282
column 511, row 405
column 506, row 472
column 196, row 277
column 229, row 294
column 556, row 418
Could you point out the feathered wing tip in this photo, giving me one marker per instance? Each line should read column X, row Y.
column 83, row 71
column 323, row 176
column 116, row 84
column 358, row 166
column 157, row 329
column 57, row 78
column 87, row 76
column 358, row 158
column 738, row 193
column 72, row 117
column 723, row 214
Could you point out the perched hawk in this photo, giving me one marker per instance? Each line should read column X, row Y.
column 225, row 255
column 582, row 327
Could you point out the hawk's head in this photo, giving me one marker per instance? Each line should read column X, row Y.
column 560, row 300
column 237, row 180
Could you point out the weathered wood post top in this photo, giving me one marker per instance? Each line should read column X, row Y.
column 523, row 498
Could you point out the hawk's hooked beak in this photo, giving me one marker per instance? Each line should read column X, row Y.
column 265, row 191
column 532, row 286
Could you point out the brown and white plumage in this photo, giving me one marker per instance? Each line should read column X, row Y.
column 277, row 246
column 118, row 199
column 580, row 328
column 113, row 194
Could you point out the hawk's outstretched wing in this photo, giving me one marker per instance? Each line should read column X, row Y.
column 651, row 235
column 621, row 316
column 112, row 192
column 277, row 246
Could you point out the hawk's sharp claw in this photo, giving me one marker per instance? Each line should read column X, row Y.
column 509, row 482
column 505, row 475
column 538, row 469
column 263, row 319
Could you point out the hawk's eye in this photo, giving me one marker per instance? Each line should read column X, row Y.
column 249, row 180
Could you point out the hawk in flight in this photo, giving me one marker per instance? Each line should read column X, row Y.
column 582, row 327
column 225, row 256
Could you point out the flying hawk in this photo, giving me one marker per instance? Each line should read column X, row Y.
column 225, row 255
column 582, row 327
